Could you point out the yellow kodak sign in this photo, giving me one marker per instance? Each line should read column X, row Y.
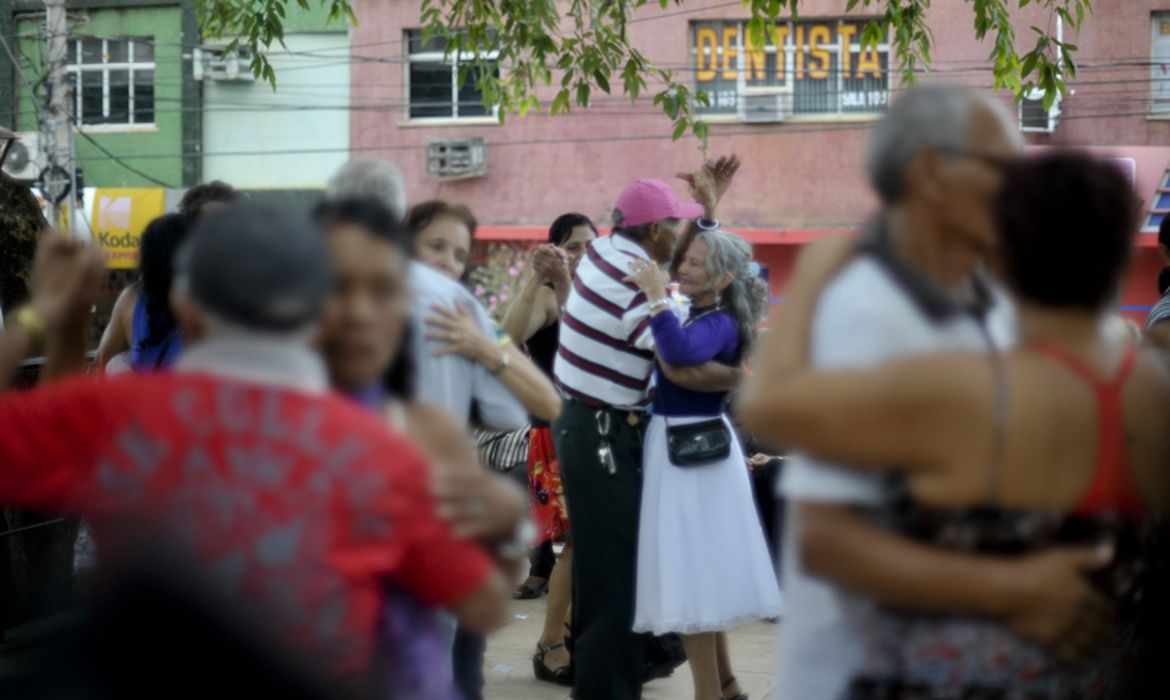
column 118, row 218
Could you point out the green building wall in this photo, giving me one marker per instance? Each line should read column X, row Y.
column 164, row 152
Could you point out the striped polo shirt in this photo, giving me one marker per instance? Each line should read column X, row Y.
column 607, row 351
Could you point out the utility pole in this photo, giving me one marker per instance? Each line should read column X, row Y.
column 57, row 130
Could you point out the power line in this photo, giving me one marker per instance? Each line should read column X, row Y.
column 597, row 104
column 117, row 159
column 773, row 130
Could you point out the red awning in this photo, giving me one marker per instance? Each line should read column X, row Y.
column 755, row 236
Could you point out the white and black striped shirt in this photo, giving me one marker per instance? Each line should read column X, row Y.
column 606, row 352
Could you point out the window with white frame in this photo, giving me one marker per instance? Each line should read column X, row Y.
column 820, row 66
column 1160, row 63
column 432, row 80
column 113, row 80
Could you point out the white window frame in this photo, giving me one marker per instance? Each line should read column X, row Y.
column 76, row 68
column 789, row 71
column 1159, row 67
column 453, row 62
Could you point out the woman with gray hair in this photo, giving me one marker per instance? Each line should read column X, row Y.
column 703, row 565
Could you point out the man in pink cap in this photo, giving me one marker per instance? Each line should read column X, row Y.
column 603, row 367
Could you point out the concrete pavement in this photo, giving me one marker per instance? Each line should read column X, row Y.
column 509, row 661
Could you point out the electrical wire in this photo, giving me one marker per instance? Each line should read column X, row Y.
column 93, row 142
column 762, row 130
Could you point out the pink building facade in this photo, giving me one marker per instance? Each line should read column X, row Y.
column 797, row 114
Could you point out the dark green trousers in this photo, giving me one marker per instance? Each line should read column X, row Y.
column 603, row 517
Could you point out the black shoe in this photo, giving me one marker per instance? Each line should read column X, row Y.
column 741, row 696
column 663, row 655
column 526, row 592
column 662, row 669
column 562, row 675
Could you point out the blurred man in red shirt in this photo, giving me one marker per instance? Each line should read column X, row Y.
column 295, row 501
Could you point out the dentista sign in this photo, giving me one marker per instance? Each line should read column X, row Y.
column 819, row 64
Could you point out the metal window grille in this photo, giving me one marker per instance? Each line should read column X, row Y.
column 113, row 80
column 432, row 79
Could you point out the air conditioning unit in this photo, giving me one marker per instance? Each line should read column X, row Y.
column 1033, row 117
column 763, row 106
column 216, row 63
column 456, row 159
column 25, row 160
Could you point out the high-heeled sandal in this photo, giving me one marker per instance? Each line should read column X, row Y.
column 561, row 675
column 727, row 684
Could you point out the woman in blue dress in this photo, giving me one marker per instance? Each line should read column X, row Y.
column 141, row 326
column 703, row 565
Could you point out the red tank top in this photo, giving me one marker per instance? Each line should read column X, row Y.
column 1113, row 487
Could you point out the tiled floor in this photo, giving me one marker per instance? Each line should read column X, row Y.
column 509, row 661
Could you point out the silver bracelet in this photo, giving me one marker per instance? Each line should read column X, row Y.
column 659, row 303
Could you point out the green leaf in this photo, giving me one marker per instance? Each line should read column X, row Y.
column 756, row 32
column 602, row 81
column 671, row 106
column 700, row 130
column 560, row 103
column 1029, row 65
column 583, row 94
column 680, row 128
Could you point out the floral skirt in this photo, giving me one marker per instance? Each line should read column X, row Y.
column 544, row 483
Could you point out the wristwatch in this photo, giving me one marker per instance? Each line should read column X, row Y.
column 502, row 364
column 521, row 541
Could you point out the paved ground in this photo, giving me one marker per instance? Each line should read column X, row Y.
column 509, row 661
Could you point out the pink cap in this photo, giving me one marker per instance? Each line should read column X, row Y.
column 645, row 201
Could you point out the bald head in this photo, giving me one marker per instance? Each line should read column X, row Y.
column 940, row 118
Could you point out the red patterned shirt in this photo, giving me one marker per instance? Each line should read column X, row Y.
column 303, row 505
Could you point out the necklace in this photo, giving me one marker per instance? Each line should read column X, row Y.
column 704, row 313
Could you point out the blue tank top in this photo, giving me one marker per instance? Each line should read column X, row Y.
column 146, row 357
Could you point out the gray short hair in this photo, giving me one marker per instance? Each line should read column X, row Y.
column 370, row 177
column 927, row 116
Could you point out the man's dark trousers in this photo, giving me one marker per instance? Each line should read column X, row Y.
column 467, row 659
column 603, row 516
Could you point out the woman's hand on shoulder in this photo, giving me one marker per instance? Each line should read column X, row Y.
column 463, row 336
column 650, row 278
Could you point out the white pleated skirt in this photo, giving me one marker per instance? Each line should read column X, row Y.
column 703, row 564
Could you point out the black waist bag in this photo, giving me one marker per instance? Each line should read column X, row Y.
column 698, row 444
